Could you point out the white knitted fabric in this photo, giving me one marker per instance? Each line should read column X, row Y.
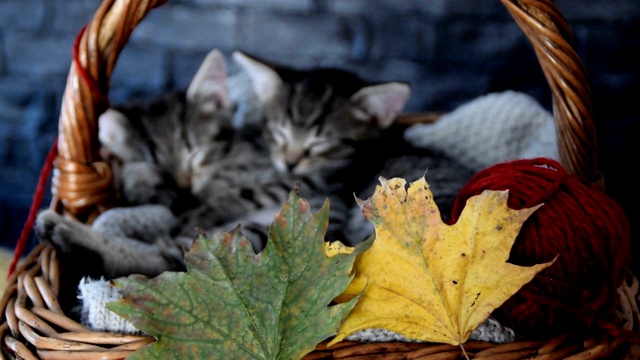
column 94, row 295
column 491, row 129
column 489, row 331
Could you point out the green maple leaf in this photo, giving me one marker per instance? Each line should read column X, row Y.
column 234, row 304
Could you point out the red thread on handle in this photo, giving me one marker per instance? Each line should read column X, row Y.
column 35, row 206
column 96, row 92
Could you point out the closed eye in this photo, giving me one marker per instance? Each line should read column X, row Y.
column 317, row 148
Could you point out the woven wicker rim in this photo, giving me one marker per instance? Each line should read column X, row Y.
column 35, row 327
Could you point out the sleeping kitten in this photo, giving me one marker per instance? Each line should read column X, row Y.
column 322, row 127
column 155, row 146
column 159, row 145
column 183, row 153
column 321, row 119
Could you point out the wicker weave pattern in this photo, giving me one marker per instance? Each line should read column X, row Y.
column 560, row 347
column 33, row 324
column 34, row 318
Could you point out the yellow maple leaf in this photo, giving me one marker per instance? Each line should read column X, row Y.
column 430, row 281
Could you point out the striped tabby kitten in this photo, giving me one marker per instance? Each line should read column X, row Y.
column 322, row 127
column 183, row 153
column 157, row 148
column 318, row 126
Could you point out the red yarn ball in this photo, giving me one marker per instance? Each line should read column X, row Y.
column 582, row 224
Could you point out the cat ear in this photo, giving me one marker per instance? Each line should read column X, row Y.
column 266, row 81
column 209, row 85
column 381, row 103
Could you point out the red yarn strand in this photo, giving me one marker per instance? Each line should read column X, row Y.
column 35, row 206
column 96, row 92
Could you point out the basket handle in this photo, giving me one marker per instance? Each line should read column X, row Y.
column 547, row 29
column 82, row 183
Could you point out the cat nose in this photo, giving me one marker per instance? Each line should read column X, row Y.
column 291, row 165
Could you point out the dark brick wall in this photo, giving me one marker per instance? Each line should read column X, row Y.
column 450, row 50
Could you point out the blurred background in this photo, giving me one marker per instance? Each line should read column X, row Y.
column 451, row 51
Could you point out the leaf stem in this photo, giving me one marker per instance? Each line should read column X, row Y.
column 464, row 352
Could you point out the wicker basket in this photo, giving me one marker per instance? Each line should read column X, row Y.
column 34, row 326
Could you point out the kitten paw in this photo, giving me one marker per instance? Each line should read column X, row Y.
column 54, row 229
column 46, row 222
column 144, row 223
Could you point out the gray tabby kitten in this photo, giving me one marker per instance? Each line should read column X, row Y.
column 161, row 146
column 184, row 154
column 321, row 127
column 157, row 148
